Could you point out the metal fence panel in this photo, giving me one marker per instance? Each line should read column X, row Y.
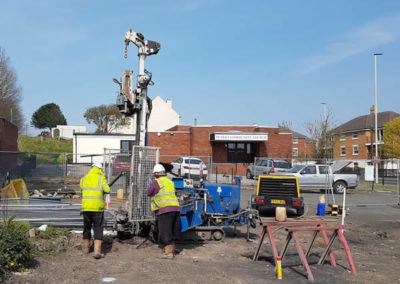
column 141, row 173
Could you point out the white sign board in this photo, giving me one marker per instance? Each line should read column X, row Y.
column 241, row 137
column 369, row 173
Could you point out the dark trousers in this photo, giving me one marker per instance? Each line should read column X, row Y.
column 93, row 220
column 169, row 227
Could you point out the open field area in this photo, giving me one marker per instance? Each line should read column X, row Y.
column 373, row 239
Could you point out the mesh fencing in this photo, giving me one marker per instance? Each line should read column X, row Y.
column 51, row 172
column 143, row 161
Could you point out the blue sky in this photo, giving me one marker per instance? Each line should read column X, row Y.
column 222, row 62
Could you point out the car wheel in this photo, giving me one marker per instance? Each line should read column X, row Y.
column 300, row 211
column 339, row 187
column 249, row 175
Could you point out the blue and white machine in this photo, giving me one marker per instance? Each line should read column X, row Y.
column 208, row 208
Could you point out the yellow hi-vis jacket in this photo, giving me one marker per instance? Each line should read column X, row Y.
column 165, row 196
column 92, row 187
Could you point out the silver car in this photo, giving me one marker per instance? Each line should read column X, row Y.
column 266, row 166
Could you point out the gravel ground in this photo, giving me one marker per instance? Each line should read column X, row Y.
column 373, row 239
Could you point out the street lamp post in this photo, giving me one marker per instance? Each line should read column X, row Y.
column 376, row 114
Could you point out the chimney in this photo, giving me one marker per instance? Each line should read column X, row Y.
column 372, row 109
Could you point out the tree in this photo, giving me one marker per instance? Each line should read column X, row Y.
column 321, row 132
column 106, row 118
column 391, row 139
column 10, row 93
column 48, row 116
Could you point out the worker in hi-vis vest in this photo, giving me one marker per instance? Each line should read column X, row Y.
column 93, row 187
column 165, row 205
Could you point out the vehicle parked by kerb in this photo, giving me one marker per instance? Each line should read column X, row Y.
column 266, row 166
column 189, row 167
column 322, row 177
column 122, row 163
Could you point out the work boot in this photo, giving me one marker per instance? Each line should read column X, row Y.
column 86, row 246
column 97, row 249
column 169, row 252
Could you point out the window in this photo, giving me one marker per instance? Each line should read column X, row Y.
column 295, row 152
column 355, row 136
column 241, row 152
column 126, row 145
column 323, row 169
column 355, row 150
column 295, row 140
column 343, row 151
column 343, row 137
column 380, row 135
column 310, row 170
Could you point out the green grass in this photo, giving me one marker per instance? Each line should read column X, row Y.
column 378, row 186
column 43, row 144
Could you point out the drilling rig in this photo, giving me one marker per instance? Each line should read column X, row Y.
column 204, row 208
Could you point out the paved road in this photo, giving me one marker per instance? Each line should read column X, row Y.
column 353, row 198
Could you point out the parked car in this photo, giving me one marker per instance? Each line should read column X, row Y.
column 189, row 167
column 122, row 163
column 44, row 134
column 266, row 166
column 321, row 177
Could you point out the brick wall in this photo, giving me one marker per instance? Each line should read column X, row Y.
column 171, row 143
column 363, row 138
column 305, row 148
column 183, row 140
column 228, row 169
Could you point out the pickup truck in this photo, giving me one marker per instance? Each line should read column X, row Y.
column 321, row 177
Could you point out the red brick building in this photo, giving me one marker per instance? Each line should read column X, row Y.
column 303, row 147
column 231, row 145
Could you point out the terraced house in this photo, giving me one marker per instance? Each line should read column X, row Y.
column 355, row 139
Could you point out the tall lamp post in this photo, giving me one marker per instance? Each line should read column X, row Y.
column 376, row 114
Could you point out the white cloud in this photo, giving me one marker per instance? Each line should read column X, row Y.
column 368, row 37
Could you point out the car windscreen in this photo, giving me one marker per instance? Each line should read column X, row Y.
column 123, row 159
column 295, row 169
column 193, row 161
column 282, row 165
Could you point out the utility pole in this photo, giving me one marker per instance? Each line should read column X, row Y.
column 376, row 115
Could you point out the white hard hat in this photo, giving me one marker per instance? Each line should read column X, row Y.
column 158, row 168
column 97, row 165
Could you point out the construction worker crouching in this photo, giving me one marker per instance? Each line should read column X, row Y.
column 93, row 186
column 165, row 205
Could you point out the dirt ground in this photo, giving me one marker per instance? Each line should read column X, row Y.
column 374, row 240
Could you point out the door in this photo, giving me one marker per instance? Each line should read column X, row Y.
column 324, row 177
column 307, row 177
